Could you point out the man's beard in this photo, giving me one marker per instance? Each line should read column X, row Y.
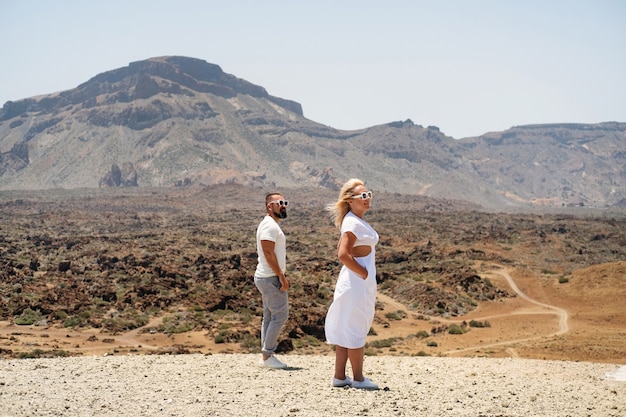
column 281, row 214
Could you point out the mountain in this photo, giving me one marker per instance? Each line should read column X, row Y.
column 182, row 121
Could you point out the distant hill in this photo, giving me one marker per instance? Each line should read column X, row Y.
column 178, row 121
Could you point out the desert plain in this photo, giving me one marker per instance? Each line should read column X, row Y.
column 139, row 302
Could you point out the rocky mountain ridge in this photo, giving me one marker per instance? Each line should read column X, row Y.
column 174, row 120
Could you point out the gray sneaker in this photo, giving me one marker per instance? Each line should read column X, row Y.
column 342, row 382
column 365, row 384
column 272, row 362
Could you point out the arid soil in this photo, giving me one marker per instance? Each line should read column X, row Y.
column 232, row 385
column 135, row 271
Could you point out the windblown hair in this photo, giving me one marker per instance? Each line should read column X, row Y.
column 339, row 209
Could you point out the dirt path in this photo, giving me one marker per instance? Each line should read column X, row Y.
column 563, row 316
column 405, row 328
column 561, row 313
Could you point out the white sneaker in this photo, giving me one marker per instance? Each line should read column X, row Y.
column 272, row 362
column 342, row 382
column 365, row 384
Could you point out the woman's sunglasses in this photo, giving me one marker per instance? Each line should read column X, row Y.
column 363, row 196
column 280, row 202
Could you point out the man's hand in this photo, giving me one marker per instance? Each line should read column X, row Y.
column 270, row 257
column 284, row 284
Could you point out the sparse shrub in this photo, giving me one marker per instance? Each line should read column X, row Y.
column 126, row 320
column 475, row 323
column 251, row 343
column 245, row 315
column 28, row 317
column 98, row 301
column 40, row 353
column 73, row 321
column 417, row 278
column 563, row 280
column 370, row 352
column 455, row 329
column 385, row 285
column 422, row 334
column 470, row 301
column 220, row 337
column 177, row 323
column 431, row 343
column 60, row 315
column 383, row 343
column 37, row 353
column 306, row 341
column 397, row 315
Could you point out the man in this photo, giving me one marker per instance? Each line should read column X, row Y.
column 269, row 277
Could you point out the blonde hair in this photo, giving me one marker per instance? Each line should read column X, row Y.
column 339, row 209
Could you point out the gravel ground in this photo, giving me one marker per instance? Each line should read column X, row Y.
column 233, row 385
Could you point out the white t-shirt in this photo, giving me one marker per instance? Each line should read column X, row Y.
column 270, row 230
column 365, row 234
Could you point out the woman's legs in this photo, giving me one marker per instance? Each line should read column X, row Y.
column 342, row 355
column 356, row 361
column 341, row 358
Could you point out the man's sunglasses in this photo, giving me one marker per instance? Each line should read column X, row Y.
column 280, row 202
column 363, row 196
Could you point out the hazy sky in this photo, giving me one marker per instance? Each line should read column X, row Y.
column 468, row 67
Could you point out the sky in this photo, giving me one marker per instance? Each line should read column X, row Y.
column 468, row 67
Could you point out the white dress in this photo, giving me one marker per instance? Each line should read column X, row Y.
column 351, row 313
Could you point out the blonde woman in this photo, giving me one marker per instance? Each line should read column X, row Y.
column 352, row 311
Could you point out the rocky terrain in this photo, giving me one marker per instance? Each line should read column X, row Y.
column 162, row 270
column 182, row 121
column 232, row 385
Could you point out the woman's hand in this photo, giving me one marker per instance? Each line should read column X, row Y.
column 344, row 252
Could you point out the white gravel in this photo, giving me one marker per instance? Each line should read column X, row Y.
column 233, row 385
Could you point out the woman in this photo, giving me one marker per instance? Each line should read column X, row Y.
column 352, row 311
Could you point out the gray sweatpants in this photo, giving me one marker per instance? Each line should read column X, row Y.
column 275, row 312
